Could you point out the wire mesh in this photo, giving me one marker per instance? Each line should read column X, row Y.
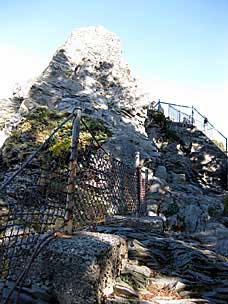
column 32, row 204
column 35, row 201
column 106, row 187
column 178, row 116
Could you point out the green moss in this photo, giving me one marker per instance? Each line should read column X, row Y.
column 38, row 125
column 219, row 145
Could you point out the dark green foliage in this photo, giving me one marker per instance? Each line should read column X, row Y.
column 170, row 135
column 172, row 209
column 164, row 123
column 159, row 118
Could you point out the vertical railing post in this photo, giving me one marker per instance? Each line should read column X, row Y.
column 226, row 146
column 179, row 116
column 72, row 172
column 146, row 180
column 159, row 105
column 192, row 118
column 139, row 179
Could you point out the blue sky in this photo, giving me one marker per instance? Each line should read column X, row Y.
column 178, row 47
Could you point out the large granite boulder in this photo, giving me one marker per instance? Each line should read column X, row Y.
column 81, row 268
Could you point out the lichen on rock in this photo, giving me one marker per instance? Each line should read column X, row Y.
column 37, row 126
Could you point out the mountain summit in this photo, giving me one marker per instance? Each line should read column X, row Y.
column 88, row 71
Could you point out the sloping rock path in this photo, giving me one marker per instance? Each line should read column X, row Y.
column 169, row 268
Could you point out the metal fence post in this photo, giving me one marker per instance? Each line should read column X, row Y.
column 192, row 118
column 226, row 147
column 146, row 180
column 179, row 116
column 72, row 172
column 159, row 105
column 139, row 179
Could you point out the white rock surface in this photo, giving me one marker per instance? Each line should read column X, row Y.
column 88, row 70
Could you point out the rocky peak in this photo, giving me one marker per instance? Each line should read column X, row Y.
column 95, row 43
column 88, row 71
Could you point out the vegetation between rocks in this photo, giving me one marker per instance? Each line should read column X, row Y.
column 38, row 125
column 219, row 145
column 164, row 123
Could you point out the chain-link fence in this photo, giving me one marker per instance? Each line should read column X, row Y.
column 191, row 116
column 46, row 195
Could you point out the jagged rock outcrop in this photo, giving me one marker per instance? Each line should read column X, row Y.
column 208, row 161
column 190, row 176
column 171, row 268
column 187, row 150
column 88, row 71
column 8, row 107
column 8, row 117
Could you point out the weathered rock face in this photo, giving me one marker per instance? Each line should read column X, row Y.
column 172, row 268
column 184, row 206
column 7, row 108
column 89, row 71
column 123, row 145
column 186, row 150
column 81, row 269
column 8, row 116
column 189, row 177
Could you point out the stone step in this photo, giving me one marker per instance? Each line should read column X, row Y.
column 146, row 223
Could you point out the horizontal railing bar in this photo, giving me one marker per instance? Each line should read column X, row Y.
column 210, row 124
column 173, row 104
column 180, row 111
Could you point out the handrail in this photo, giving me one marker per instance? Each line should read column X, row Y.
column 179, row 111
column 174, row 104
column 210, row 123
column 193, row 110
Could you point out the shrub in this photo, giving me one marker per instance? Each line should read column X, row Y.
column 164, row 123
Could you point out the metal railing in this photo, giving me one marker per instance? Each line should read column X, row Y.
column 190, row 115
column 45, row 196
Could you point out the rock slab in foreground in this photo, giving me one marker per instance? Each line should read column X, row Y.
column 81, row 269
column 147, row 223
